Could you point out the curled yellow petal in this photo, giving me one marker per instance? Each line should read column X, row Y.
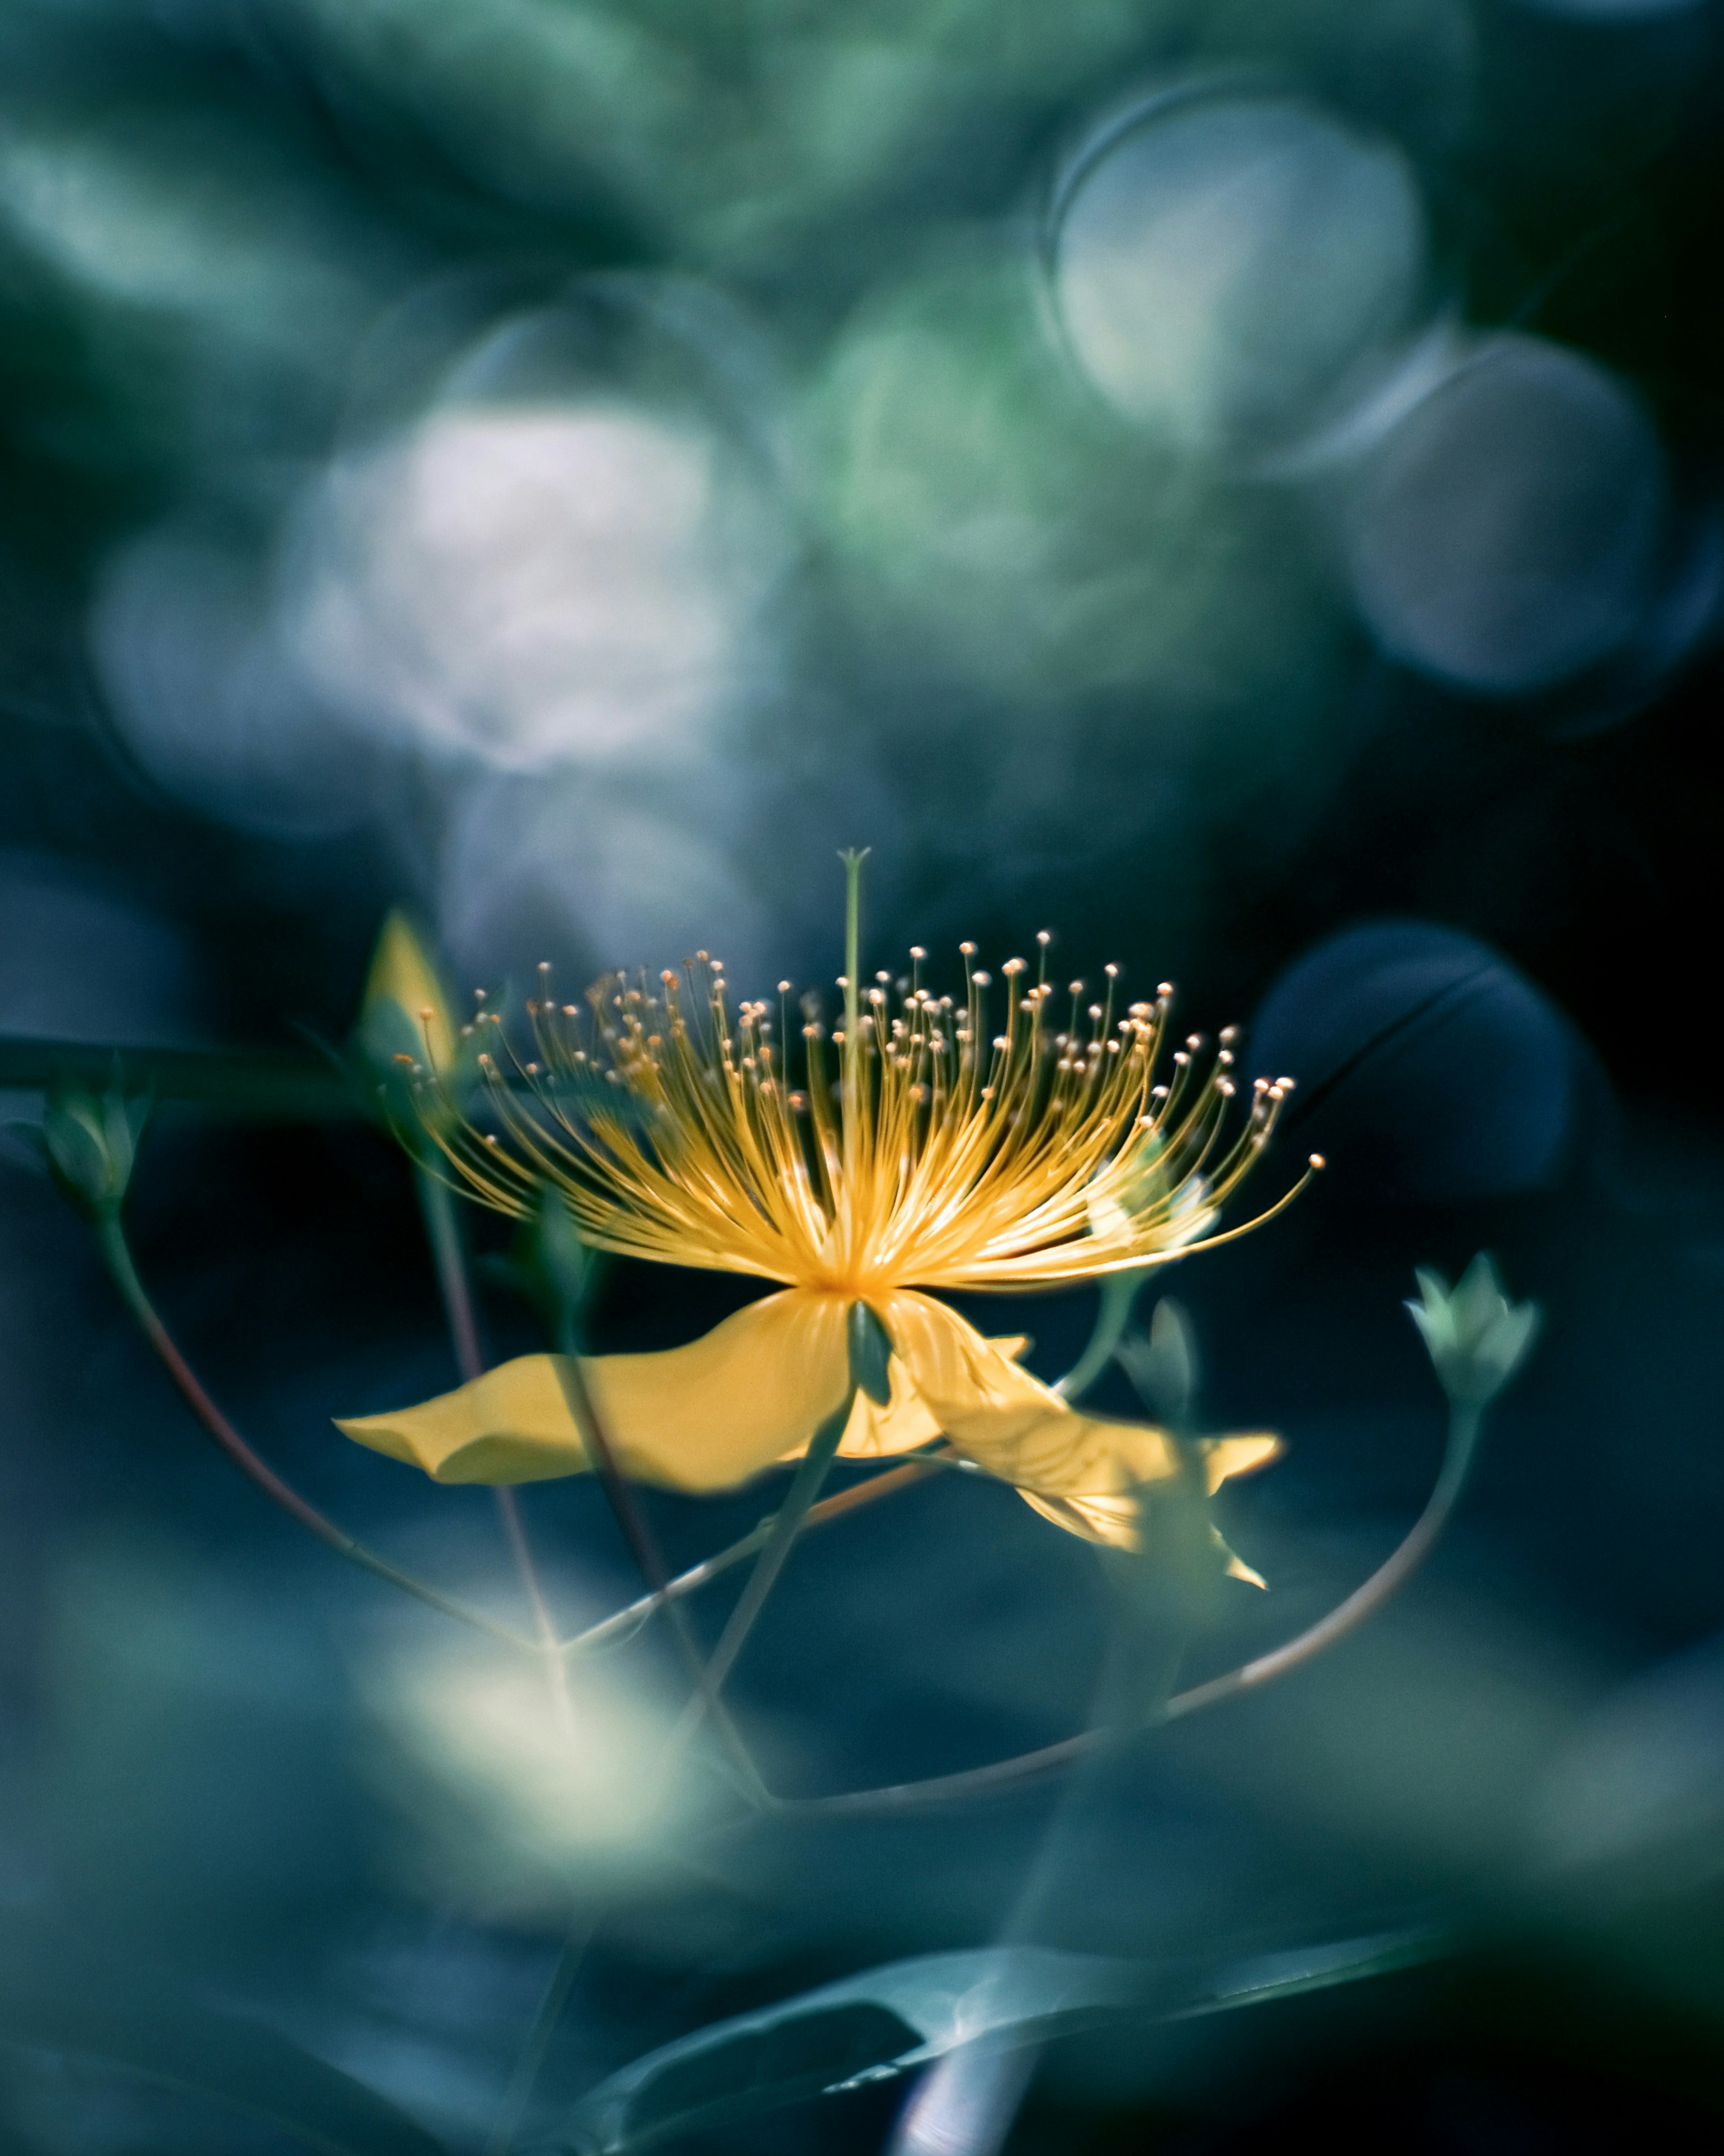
column 700, row 1418
column 1009, row 1421
column 1081, row 1471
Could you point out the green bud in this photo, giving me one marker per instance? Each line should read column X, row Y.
column 1164, row 1368
column 871, row 1353
column 90, row 1145
column 404, row 1048
column 404, row 1010
column 1476, row 1338
column 560, row 1272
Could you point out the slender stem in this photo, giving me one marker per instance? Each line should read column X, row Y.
column 774, row 1536
column 786, row 1524
column 644, row 1549
column 1465, row 1425
column 626, row 1621
column 448, row 1254
column 852, row 1064
column 1113, row 1314
column 442, row 1231
column 551, row 2009
column 116, row 1254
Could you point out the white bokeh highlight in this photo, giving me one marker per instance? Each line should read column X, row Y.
column 1227, row 270
column 527, row 586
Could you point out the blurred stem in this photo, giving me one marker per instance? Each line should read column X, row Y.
column 624, row 1622
column 1118, row 1293
column 1466, row 1424
column 786, row 1523
column 454, row 1282
column 552, row 2006
column 116, row 1254
column 262, row 1083
column 645, row 1550
column 448, row 1254
column 853, row 1075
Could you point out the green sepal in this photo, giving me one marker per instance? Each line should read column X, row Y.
column 871, row 1346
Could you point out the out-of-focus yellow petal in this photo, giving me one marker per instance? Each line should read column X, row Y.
column 700, row 1418
column 401, row 970
column 1224, row 1457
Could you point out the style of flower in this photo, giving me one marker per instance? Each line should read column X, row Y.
column 946, row 1155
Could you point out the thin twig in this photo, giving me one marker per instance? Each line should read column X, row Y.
column 786, row 1523
column 1464, row 1427
column 624, row 1623
column 117, row 1254
column 442, row 1231
column 552, row 2006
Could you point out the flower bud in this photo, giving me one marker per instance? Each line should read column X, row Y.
column 90, row 1145
column 557, row 1270
column 1164, row 1369
column 1476, row 1338
column 404, row 1011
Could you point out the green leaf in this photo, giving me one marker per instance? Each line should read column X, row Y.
column 59, row 1997
column 891, row 2020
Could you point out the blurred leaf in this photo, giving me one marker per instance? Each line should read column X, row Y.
column 890, row 2019
column 59, row 1998
column 261, row 1082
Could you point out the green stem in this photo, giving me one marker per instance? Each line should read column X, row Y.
column 853, row 858
column 116, row 1254
column 1118, row 1293
column 448, row 1254
column 552, row 2006
column 264, row 1085
column 1465, row 1426
column 786, row 1523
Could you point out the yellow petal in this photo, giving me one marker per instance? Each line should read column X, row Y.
column 511, row 1425
column 708, row 1415
column 1009, row 1422
column 700, row 1418
column 1081, row 1471
column 906, row 1422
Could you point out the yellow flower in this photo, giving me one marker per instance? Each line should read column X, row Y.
column 947, row 1155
